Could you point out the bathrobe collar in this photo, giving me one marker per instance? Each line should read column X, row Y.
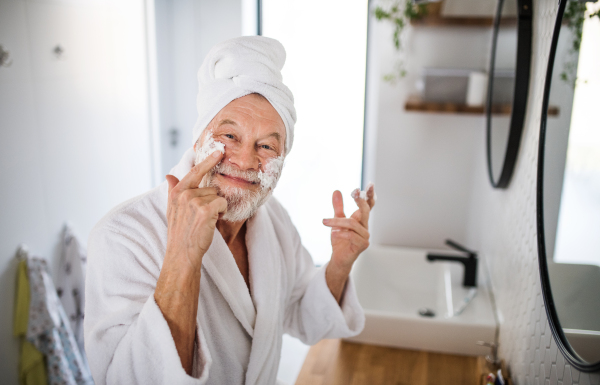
column 185, row 164
column 260, row 314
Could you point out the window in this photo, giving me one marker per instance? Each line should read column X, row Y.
column 326, row 45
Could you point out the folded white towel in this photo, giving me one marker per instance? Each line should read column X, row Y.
column 238, row 67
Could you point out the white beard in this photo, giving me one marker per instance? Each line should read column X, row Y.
column 242, row 203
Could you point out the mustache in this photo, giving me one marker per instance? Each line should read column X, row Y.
column 229, row 170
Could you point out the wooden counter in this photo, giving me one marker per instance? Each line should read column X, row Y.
column 336, row 362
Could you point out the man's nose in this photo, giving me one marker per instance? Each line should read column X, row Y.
column 244, row 157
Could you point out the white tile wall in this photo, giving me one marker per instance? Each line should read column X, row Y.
column 502, row 227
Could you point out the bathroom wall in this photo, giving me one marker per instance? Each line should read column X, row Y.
column 75, row 133
column 431, row 175
column 502, row 228
column 185, row 31
column 423, row 164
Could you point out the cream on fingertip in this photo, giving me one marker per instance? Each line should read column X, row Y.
column 359, row 194
column 370, row 186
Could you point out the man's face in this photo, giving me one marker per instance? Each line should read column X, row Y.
column 254, row 137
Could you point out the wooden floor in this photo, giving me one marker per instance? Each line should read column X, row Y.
column 335, row 362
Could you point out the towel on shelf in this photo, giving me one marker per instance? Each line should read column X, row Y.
column 71, row 282
column 238, row 67
column 239, row 332
column 49, row 329
column 32, row 367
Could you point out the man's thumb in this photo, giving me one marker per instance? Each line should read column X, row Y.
column 172, row 181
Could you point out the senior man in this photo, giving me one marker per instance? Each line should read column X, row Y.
column 195, row 281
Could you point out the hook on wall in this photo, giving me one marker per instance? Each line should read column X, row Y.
column 174, row 137
column 5, row 59
column 22, row 251
column 59, row 52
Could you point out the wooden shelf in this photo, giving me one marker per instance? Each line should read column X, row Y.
column 434, row 18
column 438, row 21
column 415, row 104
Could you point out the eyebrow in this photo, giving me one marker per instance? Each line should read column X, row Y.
column 229, row 121
column 276, row 135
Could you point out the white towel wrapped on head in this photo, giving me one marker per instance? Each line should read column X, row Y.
column 242, row 66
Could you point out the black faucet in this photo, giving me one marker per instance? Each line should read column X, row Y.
column 470, row 262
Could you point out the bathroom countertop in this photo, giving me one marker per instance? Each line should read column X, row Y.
column 336, row 362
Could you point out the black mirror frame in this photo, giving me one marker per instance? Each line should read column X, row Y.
column 524, row 37
column 557, row 331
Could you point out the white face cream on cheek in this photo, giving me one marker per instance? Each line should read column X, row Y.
column 273, row 167
column 208, row 147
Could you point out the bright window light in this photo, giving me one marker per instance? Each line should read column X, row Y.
column 579, row 218
column 326, row 45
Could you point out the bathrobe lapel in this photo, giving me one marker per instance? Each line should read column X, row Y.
column 220, row 265
column 264, row 253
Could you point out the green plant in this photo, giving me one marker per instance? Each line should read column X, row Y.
column 574, row 17
column 400, row 13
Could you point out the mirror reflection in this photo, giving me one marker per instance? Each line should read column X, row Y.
column 572, row 184
column 502, row 86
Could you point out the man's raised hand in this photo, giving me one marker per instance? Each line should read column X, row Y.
column 350, row 236
column 192, row 213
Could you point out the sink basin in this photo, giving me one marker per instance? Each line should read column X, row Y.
column 395, row 284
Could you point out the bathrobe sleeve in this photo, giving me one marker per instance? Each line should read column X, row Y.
column 127, row 339
column 312, row 313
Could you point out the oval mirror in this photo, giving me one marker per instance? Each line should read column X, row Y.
column 508, row 87
column 568, row 185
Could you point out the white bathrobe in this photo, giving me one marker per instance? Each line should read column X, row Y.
column 239, row 334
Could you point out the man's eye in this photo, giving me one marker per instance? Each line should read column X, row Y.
column 266, row 147
column 229, row 136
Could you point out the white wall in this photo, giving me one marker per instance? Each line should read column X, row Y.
column 185, row 31
column 422, row 163
column 75, row 136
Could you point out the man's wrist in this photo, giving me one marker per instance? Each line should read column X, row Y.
column 183, row 259
column 339, row 268
column 336, row 277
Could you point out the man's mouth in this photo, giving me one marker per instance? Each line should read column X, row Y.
column 236, row 179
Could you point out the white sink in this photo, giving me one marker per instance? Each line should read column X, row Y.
column 394, row 283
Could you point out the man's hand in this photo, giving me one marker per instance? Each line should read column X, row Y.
column 192, row 215
column 349, row 238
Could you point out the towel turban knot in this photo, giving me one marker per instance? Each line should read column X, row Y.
column 238, row 67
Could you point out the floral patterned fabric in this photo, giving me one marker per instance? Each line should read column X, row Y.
column 50, row 332
column 70, row 284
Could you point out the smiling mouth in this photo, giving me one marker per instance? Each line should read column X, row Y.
column 240, row 180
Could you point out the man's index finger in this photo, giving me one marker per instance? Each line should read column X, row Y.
column 194, row 177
